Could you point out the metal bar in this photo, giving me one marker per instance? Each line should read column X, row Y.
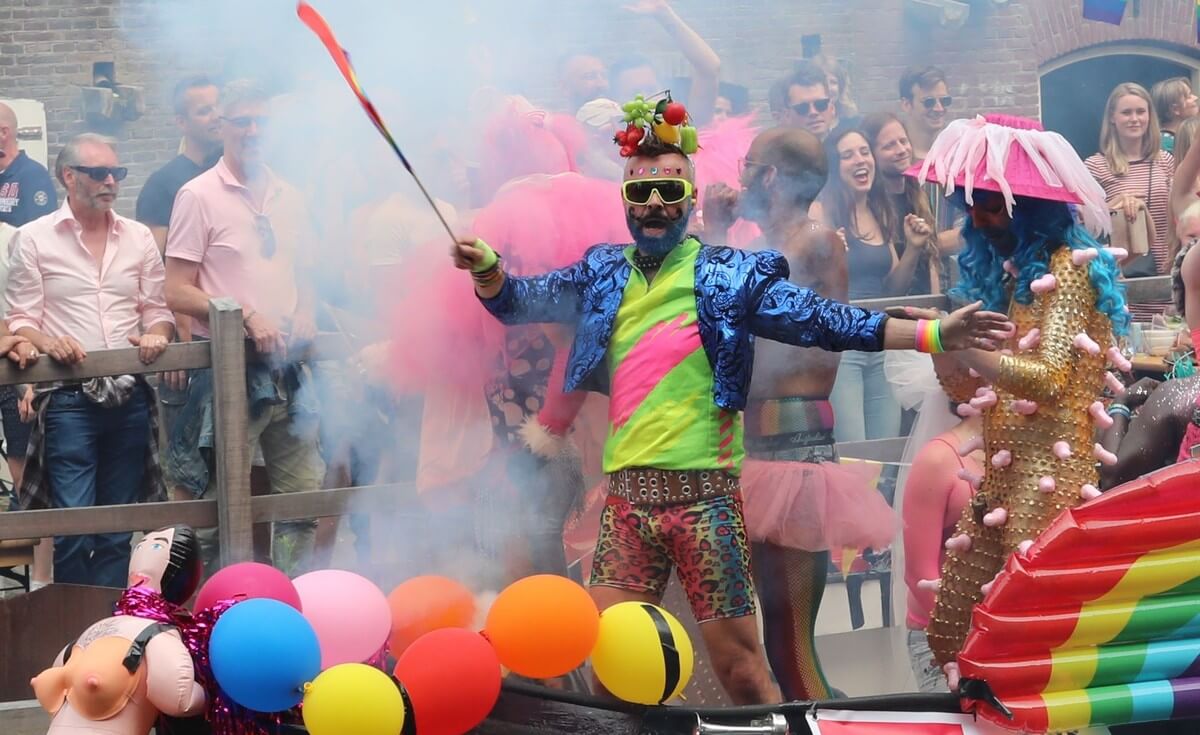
column 325, row 503
column 926, row 301
column 874, row 450
column 186, row 356
column 1146, row 290
column 230, row 414
column 33, row 524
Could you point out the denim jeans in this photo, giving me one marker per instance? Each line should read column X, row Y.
column 929, row 677
column 863, row 404
column 94, row 456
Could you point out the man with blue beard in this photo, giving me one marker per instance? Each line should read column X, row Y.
column 666, row 326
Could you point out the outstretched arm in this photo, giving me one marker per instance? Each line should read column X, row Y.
column 1183, row 188
column 926, row 494
column 553, row 297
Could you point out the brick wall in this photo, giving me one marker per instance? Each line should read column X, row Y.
column 47, row 48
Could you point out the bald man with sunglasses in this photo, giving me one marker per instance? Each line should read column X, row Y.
column 665, row 326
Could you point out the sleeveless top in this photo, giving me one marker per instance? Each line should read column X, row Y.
column 868, row 266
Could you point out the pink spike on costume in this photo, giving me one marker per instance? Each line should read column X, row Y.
column 970, row 478
column 931, row 585
column 1084, row 342
column 1031, row 339
column 1045, row 284
column 986, row 588
column 970, row 445
column 1011, row 269
column 1099, row 416
column 1024, row 407
column 1006, row 352
column 966, row 410
column 1082, row 257
column 985, row 401
column 1114, row 384
column 1119, row 361
column 972, row 372
column 961, row 542
column 1118, row 253
column 1105, row 456
column 1062, row 450
column 997, row 517
column 1046, row 484
column 1024, row 547
column 1003, row 458
column 1089, row 492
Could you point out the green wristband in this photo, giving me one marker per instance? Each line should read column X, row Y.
column 937, row 337
column 490, row 258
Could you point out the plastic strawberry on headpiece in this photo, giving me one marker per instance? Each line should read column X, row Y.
column 664, row 120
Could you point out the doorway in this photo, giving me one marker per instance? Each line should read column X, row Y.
column 1074, row 93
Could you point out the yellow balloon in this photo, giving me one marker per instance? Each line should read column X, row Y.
column 353, row 698
column 668, row 134
column 643, row 654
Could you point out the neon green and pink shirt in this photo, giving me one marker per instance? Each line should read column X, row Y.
column 661, row 412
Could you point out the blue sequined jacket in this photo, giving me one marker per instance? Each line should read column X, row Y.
column 740, row 295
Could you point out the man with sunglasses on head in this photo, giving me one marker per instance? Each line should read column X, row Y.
column 239, row 231
column 666, row 326
column 85, row 278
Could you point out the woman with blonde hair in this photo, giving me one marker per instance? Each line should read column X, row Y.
column 1134, row 171
column 1175, row 103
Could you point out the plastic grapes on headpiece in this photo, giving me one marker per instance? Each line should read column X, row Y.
column 665, row 120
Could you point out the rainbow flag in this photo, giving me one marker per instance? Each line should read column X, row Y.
column 1105, row 11
column 341, row 58
column 1099, row 622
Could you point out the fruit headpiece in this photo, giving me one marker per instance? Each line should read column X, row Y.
column 658, row 118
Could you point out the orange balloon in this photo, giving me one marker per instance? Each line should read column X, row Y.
column 543, row 626
column 424, row 604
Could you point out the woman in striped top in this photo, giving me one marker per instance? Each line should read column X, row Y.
column 1131, row 166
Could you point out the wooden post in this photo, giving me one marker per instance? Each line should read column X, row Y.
column 230, row 415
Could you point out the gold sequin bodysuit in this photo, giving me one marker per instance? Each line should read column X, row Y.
column 1063, row 379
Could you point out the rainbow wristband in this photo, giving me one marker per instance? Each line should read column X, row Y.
column 929, row 336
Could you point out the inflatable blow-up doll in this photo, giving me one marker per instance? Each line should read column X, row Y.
column 1028, row 252
column 126, row 670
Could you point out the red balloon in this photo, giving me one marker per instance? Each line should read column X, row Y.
column 245, row 581
column 452, row 677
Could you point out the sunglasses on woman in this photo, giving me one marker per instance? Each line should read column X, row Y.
column 101, row 173
column 932, row 102
column 670, row 191
column 803, row 108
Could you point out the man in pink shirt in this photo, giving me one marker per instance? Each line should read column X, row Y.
column 84, row 278
column 239, row 231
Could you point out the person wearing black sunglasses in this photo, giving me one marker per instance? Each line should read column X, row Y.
column 93, row 441
column 802, row 100
column 925, row 100
column 666, row 326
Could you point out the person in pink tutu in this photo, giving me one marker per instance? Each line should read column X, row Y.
column 799, row 501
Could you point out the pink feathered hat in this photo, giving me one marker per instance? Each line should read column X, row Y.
column 1016, row 157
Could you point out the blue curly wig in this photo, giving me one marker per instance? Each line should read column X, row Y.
column 1040, row 226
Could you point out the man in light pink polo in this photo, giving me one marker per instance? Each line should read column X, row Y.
column 239, row 231
column 84, row 278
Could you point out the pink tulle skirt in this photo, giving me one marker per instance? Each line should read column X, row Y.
column 816, row 506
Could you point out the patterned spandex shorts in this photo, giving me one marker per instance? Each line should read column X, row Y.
column 705, row 542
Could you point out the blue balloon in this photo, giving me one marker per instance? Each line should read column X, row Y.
column 263, row 652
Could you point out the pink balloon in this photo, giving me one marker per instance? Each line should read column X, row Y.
column 349, row 613
column 245, row 581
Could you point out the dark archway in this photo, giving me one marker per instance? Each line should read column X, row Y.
column 1073, row 95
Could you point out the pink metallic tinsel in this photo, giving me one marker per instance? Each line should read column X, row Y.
column 225, row 716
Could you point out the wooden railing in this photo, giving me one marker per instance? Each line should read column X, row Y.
column 233, row 509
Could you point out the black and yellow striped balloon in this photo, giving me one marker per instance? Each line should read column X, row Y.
column 643, row 654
